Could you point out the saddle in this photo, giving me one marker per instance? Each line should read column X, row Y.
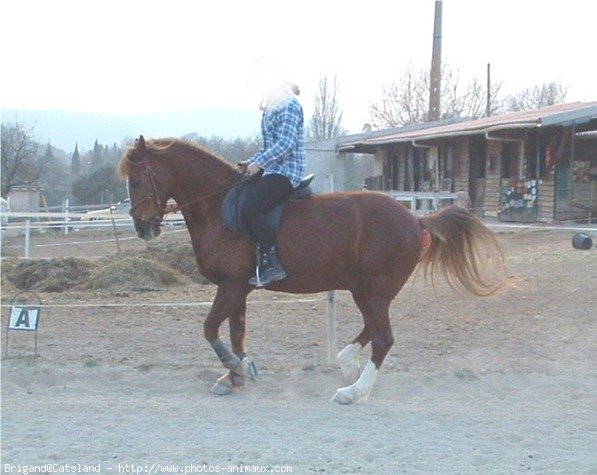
column 235, row 199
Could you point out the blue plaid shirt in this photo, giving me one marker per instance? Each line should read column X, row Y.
column 283, row 151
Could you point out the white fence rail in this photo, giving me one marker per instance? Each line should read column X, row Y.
column 17, row 220
column 422, row 202
column 28, row 222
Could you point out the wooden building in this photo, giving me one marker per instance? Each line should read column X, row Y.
column 538, row 165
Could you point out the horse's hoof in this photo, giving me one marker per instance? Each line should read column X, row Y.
column 220, row 389
column 224, row 386
column 343, row 396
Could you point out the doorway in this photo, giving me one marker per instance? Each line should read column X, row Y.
column 477, row 164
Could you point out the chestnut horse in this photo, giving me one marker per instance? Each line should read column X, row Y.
column 364, row 242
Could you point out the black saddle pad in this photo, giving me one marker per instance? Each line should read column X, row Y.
column 234, row 201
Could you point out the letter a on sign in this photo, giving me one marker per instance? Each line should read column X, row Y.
column 24, row 318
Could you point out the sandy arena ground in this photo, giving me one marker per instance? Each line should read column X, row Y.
column 499, row 385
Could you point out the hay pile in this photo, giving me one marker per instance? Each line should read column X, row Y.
column 155, row 268
column 135, row 274
column 7, row 267
column 179, row 257
column 55, row 275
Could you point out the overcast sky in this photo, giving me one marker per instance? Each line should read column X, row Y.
column 124, row 56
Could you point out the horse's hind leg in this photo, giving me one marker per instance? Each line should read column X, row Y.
column 226, row 304
column 377, row 322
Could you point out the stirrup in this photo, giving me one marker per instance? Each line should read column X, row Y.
column 256, row 279
column 266, row 273
column 258, row 283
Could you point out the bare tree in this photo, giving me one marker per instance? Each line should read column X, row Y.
column 471, row 100
column 20, row 164
column 327, row 117
column 402, row 102
column 541, row 95
column 232, row 150
column 406, row 101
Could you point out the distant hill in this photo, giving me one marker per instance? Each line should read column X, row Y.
column 64, row 129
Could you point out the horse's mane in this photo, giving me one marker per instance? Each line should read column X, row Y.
column 160, row 147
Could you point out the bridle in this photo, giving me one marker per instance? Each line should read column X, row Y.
column 155, row 182
column 153, row 179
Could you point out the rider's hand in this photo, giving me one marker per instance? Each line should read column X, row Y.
column 253, row 169
column 242, row 166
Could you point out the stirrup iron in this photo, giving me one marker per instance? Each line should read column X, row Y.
column 258, row 282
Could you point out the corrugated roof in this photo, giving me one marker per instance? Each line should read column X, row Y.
column 559, row 114
column 587, row 134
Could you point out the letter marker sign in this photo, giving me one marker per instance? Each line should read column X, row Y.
column 23, row 318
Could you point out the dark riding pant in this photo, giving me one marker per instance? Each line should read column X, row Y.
column 263, row 195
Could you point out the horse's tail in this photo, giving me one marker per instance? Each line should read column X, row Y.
column 460, row 249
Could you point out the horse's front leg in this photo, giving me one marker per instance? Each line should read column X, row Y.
column 238, row 330
column 229, row 299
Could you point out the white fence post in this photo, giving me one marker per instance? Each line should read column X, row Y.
column 332, row 323
column 27, row 237
column 66, row 206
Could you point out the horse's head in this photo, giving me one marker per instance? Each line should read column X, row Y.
column 147, row 189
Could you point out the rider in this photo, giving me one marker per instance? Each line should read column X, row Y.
column 278, row 167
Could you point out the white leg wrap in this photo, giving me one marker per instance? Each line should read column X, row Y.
column 359, row 391
column 348, row 359
column 235, row 378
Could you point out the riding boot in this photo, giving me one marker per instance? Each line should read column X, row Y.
column 269, row 269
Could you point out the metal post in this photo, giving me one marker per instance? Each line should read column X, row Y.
column 332, row 324
column 27, row 237
column 114, row 229
column 436, row 65
column 332, row 329
column 488, row 105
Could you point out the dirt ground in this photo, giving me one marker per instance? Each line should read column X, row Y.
column 498, row 385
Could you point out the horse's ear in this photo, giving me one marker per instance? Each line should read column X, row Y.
column 139, row 149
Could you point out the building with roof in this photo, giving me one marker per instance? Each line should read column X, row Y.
column 538, row 165
column 25, row 198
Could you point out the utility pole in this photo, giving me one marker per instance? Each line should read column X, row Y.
column 488, row 106
column 436, row 65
